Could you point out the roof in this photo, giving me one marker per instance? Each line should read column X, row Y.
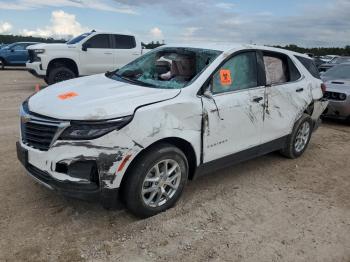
column 232, row 47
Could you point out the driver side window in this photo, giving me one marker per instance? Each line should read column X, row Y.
column 98, row 41
column 240, row 72
column 19, row 47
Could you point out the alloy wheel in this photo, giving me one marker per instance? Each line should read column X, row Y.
column 302, row 137
column 161, row 183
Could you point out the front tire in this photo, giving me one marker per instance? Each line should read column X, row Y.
column 2, row 64
column 59, row 74
column 156, row 181
column 299, row 140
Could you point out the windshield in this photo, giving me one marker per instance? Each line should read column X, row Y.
column 8, row 46
column 338, row 72
column 168, row 68
column 78, row 38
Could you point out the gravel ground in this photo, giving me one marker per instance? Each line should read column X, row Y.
column 266, row 209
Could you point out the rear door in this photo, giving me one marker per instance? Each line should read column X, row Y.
column 125, row 49
column 233, row 116
column 288, row 94
column 98, row 57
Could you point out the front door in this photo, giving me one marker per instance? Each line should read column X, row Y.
column 98, row 56
column 233, row 113
column 18, row 54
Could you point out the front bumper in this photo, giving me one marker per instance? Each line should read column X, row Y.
column 89, row 191
column 35, row 68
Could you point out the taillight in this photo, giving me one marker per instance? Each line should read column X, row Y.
column 323, row 88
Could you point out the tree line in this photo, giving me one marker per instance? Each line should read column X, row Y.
column 317, row 51
column 8, row 39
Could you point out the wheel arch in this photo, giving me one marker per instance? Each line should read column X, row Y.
column 310, row 109
column 67, row 62
column 3, row 59
column 185, row 146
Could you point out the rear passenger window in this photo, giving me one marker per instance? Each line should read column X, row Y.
column 310, row 65
column 98, row 41
column 124, row 42
column 279, row 69
column 240, row 72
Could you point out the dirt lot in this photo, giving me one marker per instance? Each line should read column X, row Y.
column 267, row 209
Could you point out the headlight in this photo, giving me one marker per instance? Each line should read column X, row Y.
column 79, row 130
column 39, row 51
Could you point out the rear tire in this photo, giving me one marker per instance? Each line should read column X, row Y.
column 156, row 181
column 59, row 74
column 299, row 140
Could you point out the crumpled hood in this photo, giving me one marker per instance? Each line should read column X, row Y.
column 95, row 97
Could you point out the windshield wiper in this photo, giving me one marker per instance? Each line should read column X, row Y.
column 133, row 80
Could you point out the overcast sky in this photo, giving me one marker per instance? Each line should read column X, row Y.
column 302, row 22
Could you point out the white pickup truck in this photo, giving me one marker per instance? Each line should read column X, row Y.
column 87, row 54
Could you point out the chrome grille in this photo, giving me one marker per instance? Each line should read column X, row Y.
column 33, row 56
column 38, row 131
column 38, row 135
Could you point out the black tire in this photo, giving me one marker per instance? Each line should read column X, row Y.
column 59, row 74
column 290, row 150
column 46, row 80
column 132, row 188
column 2, row 64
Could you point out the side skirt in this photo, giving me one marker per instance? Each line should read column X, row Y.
column 244, row 155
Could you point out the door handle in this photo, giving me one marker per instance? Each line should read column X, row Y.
column 299, row 90
column 107, row 53
column 257, row 99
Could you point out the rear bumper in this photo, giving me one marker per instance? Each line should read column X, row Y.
column 338, row 109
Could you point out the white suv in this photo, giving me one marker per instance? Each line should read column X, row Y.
column 175, row 113
column 86, row 54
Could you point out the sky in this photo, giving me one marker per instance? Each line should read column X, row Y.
column 308, row 23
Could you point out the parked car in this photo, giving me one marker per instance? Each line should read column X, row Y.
column 318, row 61
column 335, row 61
column 139, row 133
column 86, row 54
column 337, row 80
column 14, row 54
column 329, row 58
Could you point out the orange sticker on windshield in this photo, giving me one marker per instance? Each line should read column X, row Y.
column 225, row 77
column 67, row 95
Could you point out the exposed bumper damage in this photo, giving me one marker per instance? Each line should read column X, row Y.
column 89, row 170
column 319, row 107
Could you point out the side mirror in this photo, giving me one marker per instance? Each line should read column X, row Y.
column 84, row 47
column 12, row 50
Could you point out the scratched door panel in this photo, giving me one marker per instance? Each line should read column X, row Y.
column 235, row 124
